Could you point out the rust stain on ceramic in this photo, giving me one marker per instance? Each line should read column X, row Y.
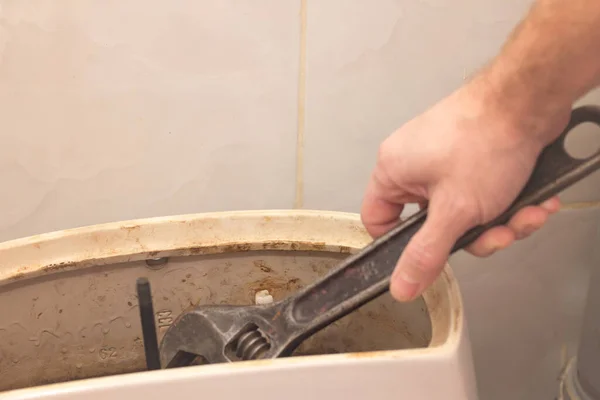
column 267, row 245
column 345, row 249
column 17, row 276
column 194, row 250
column 102, row 348
column 58, row 266
column 318, row 246
column 262, row 265
column 215, row 249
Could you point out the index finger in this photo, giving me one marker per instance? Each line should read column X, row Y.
column 382, row 206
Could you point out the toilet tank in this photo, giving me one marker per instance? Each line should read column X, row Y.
column 70, row 318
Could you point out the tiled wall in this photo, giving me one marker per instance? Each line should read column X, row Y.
column 112, row 110
column 127, row 109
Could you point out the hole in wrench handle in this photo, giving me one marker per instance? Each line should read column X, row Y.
column 366, row 275
column 555, row 170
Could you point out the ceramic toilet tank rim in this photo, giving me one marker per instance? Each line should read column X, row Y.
column 217, row 233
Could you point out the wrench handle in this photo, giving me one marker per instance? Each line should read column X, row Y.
column 366, row 275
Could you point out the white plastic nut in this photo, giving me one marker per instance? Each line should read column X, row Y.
column 263, row 297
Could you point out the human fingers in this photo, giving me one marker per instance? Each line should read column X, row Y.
column 527, row 221
column 427, row 252
column 382, row 205
column 491, row 241
column 552, row 205
column 523, row 224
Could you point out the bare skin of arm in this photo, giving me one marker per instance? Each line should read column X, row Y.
column 470, row 155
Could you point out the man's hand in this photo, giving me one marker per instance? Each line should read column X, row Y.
column 470, row 155
column 468, row 161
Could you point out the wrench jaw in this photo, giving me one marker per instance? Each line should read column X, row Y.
column 194, row 339
column 221, row 334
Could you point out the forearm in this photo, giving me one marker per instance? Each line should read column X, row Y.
column 550, row 60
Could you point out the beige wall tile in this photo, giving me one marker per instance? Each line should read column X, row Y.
column 118, row 110
column 524, row 305
column 373, row 66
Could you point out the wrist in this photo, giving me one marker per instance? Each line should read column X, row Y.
column 527, row 113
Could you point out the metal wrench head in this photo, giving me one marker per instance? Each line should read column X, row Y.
column 211, row 334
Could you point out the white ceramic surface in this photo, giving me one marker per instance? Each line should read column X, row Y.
column 440, row 370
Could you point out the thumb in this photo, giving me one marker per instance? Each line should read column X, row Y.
column 427, row 252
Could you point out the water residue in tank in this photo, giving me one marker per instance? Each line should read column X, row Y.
column 49, row 336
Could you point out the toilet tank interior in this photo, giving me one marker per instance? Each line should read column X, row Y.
column 84, row 322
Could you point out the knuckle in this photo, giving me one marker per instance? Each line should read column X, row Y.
column 464, row 209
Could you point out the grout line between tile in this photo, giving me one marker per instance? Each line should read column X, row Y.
column 299, row 199
column 580, row 205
